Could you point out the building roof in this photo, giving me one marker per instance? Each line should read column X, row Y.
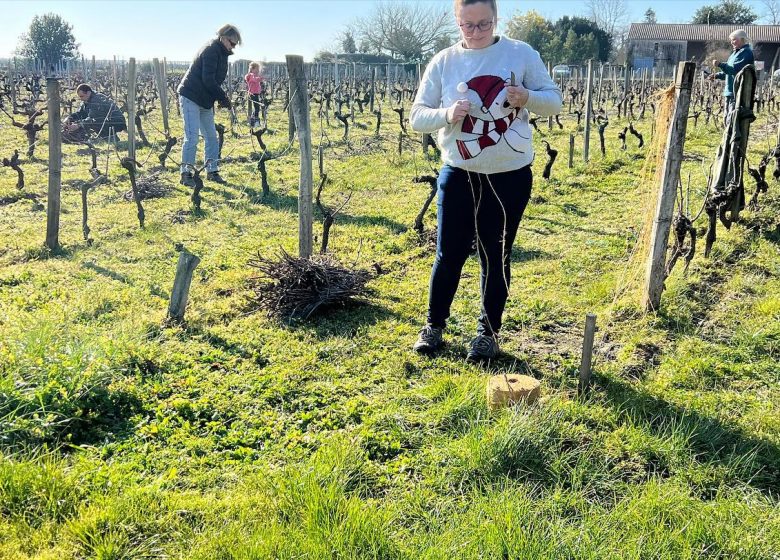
column 701, row 32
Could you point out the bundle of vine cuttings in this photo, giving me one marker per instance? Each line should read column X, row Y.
column 293, row 288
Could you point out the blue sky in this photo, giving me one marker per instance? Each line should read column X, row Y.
column 271, row 29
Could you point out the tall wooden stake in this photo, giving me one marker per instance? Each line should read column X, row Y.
column 162, row 89
column 588, row 110
column 299, row 101
column 55, row 164
column 131, row 84
column 654, row 282
column 113, row 74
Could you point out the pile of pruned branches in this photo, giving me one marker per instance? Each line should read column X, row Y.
column 152, row 185
column 290, row 288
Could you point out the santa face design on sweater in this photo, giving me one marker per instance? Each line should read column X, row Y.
column 497, row 121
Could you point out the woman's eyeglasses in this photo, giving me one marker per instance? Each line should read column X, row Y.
column 482, row 26
column 232, row 43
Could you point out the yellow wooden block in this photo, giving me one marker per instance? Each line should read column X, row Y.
column 506, row 390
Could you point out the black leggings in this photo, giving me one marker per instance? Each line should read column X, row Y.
column 254, row 99
column 490, row 205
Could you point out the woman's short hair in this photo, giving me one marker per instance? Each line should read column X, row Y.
column 460, row 3
column 231, row 32
column 739, row 34
column 83, row 88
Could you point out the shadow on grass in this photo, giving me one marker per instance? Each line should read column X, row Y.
column 107, row 272
column 238, row 350
column 286, row 202
column 569, row 227
column 344, row 320
column 381, row 221
column 43, row 253
column 16, row 197
column 275, row 200
column 756, row 461
column 520, row 255
column 95, row 415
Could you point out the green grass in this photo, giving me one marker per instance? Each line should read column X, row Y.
column 237, row 437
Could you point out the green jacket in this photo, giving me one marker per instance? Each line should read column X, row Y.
column 736, row 62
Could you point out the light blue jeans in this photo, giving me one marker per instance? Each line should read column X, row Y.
column 198, row 120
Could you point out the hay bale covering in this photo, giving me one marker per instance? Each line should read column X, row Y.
column 294, row 288
column 150, row 186
column 509, row 389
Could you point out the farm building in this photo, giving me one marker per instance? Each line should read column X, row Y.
column 663, row 45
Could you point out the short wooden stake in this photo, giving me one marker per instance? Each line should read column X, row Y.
column 571, row 151
column 181, row 285
column 587, row 353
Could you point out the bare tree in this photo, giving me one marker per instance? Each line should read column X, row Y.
column 408, row 31
column 771, row 11
column 612, row 16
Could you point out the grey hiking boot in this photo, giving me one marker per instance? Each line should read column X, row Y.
column 215, row 177
column 429, row 340
column 187, row 180
column 482, row 348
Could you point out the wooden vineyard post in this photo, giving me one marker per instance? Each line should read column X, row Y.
column 13, row 85
column 131, row 82
column 299, row 101
column 598, row 89
column 614, row 80
column 588, row 110
column 659, row 237
column 627, row 86
column 55, row 165
column 373, row 90
column 550, row 118
column 181, row 286
column 387, row 92
column 159, row 77
column 113, row 74
column 587, row 353
column 571, row 151
column 290, row 117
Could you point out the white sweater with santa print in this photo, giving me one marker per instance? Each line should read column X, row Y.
column 493, row 137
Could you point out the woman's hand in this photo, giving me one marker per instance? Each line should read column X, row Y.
column 516, row 96
column 458, row 111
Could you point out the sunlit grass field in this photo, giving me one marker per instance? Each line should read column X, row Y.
column 237, row 436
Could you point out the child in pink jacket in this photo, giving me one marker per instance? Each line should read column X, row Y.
column 254, row 85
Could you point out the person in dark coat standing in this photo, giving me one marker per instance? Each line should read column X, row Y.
column 199, row 89
column 740, row 57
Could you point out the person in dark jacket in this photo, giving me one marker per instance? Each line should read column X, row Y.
column 98, row 114
column 741, row 57
column 199, row 89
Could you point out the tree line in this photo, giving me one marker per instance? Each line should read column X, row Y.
column 410, row 32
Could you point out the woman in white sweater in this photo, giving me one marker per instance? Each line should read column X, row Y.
column 476, row 94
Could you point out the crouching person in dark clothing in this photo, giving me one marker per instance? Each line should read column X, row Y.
column 98, row 115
